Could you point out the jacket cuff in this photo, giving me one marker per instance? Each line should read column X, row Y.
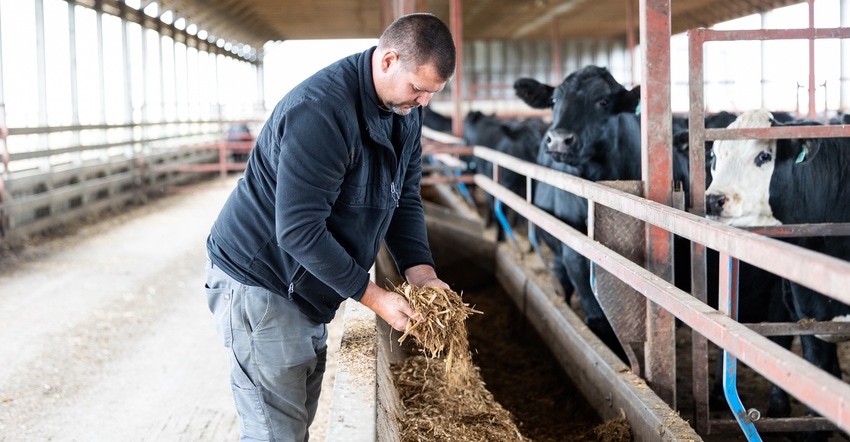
column 359, row 292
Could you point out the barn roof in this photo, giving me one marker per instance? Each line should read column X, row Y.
column 255, row 22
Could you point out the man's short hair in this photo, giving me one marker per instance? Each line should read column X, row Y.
column 420, row 39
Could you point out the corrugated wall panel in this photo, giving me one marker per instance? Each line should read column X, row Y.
column 492, row 66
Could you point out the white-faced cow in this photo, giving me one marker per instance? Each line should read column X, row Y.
column 761, row 290
column 788, row 181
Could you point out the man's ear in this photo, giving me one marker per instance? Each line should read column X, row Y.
column 388, row 60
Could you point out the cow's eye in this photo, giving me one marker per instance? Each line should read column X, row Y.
column 712, row 160
column 603, row 103
column 762, row 158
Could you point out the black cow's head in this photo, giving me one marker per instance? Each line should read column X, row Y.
column 585, row 108
column 482, row 130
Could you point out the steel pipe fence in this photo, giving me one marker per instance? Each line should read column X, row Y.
column 818, row 389
column 46, row 187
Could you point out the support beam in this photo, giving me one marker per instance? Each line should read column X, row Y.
column 657, row 173
column 557, row 76
column 456, row 24
column 813, row 113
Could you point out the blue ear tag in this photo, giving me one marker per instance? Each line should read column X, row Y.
column 802, row 155
column 637, row 109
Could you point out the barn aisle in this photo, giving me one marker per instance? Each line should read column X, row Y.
column 105, row 333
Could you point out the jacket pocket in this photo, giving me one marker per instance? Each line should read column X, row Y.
column 368, row 182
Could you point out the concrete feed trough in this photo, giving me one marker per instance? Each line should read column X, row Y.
column 365, row 403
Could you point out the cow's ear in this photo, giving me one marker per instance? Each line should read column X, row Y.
column 629, row 101
column 534, row 93
column 681, row 139
column 808, row 151
column 800, row 151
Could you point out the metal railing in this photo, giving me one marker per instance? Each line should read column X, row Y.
column 46, row 183
column 828, row 275
column 831, row 285
column 816, row 388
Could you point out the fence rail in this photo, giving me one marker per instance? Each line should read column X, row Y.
column 748, row 343
column 812, row 386
column 44, row 187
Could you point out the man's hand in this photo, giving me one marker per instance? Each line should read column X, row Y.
column 424, row 275
column 388, row 305
column 393, row 307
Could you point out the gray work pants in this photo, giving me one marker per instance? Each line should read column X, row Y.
column 277, row 358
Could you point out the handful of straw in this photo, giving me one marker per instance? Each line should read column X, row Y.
column 442, row 328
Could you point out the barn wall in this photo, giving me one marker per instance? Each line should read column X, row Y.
column 492, row 66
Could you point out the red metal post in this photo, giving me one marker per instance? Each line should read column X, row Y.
column 404, row 7
column 630, row 40
column 4, row 156
column 456, row 23
column 657, row 173
column 222, row 158
column 387, row 15
column 813, row 113
column 556, row 51
column 824, row 392
column 699, row 288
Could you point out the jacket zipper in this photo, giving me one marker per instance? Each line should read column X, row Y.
column 395, row 195
column 299, row 273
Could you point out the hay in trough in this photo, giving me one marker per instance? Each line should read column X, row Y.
column 445, row 400
column 435, row 410
column 449, row 401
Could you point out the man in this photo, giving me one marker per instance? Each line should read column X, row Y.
column 335, row 172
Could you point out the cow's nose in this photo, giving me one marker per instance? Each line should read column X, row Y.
column 714, row 204
column 560, row 141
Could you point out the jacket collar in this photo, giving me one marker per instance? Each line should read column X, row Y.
column 369, row 102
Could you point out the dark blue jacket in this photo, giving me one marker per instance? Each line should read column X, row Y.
column 323, row 187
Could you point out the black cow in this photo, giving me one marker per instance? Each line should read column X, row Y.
column 595, row 135
column 516, row 138
column 788, row 181
column 437, row 121
column 840, row 119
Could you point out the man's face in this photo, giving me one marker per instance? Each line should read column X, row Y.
column 407, row 89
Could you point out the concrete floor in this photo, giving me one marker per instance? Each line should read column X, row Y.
column 105, row 334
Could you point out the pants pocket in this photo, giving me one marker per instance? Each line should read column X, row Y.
column 249, row 403
column 255, row 307
column 219, row 300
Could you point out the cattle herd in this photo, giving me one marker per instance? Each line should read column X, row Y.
column 595, row 134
